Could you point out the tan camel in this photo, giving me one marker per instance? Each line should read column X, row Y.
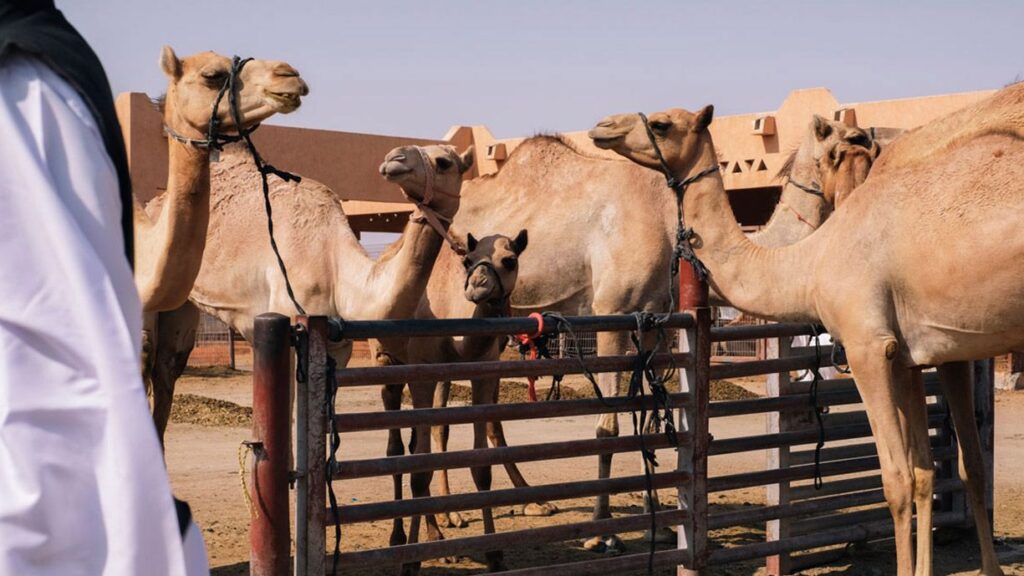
column 330, row 271
column 587, row 226
column 954, row 183
column 477, row 285
column 169, row 241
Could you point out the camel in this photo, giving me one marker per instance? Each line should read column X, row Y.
column 330, row 271
column 476, row 285
column 169, row 241
column 601, row 270
column 954, row 183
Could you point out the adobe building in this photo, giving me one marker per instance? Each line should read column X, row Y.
column 751, row 149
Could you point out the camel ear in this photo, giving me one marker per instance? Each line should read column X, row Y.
column 471, row 242
column 520, row 242
column 466, row 159
column 704, row 117
column 169, row 63
column 821, row 127
column 876, row 149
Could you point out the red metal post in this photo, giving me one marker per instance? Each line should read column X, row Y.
column 693, row 293
column 269, row 531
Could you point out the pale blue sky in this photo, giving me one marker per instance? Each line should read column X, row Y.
column 416, row 68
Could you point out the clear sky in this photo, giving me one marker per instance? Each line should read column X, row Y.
column 522, row 66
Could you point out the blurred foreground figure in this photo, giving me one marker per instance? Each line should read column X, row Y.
column 83, row 489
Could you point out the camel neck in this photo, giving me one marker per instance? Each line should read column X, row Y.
column 392, row 285
column 755, row 279
column 796, row 216
column 478, row 346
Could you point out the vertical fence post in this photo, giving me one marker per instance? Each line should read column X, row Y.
column 693, row 422
column 311, row 424
column 948, row 469
column 985, row 409
column 778, row 422
column 231, row 348
column 269, row 531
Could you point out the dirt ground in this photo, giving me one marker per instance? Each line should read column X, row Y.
column 211, row 418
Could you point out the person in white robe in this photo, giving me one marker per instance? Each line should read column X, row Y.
column 83, row 488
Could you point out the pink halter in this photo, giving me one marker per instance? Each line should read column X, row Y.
column 423, row 211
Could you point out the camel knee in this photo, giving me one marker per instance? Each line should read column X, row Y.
column 924, row 483
column 608, row 425
column 482, row 477
column 419, row 483
column 898, row 487
column 395, row 446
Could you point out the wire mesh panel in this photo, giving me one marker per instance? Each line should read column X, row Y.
column 738, row 349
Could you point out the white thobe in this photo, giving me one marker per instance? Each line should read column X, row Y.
column 83, row 488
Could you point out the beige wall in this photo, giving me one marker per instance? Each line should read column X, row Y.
column 347, row 162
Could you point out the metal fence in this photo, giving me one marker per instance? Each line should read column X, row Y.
column 849, row 508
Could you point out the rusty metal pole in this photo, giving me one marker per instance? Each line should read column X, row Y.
column 693, row 422
column 231, row 348
column 269, row 529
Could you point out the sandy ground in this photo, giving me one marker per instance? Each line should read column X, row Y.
column 203, row 459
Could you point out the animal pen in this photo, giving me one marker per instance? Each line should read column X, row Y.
column 848, row 507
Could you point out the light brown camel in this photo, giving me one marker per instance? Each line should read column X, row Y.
column 330, row 271
column 594, row 225
column 169, row 241
column 477, row 285
column 956, row 184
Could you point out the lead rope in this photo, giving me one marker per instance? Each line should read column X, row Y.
column 661, row 415
column 332, row 458
column 819, row 411
column 265, row 169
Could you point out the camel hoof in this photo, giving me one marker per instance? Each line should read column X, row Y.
column 663, row 535
column 452, row 520
column 539, row 509
column 450, row 560
column 610, row 545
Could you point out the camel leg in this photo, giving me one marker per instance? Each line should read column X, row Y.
column 496, row 435
column 175, row 338
column 871, row 362
column 440, row 433
column 391, row 397
column 419, row 482
column 956, row 380
column 916, row 409
column 484, row 393
column 608, row 343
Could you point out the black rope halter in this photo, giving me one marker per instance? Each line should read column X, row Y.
column 504, row 294
column 683, row 250
column 215, row 139
column 813, row 189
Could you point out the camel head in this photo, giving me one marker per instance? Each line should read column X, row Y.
column 678, row 134
column 431, row 174
column 813, row 164
column 843, row 157
column 492, row 266
column 265, row 88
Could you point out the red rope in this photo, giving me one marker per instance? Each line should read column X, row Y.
column 529, row 340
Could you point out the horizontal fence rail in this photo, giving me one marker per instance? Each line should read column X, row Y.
column 355, row 330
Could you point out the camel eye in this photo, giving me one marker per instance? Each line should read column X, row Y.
column 859, row 140
column 214, row 75
column 443, row 164
column 660, row 126
column 509, row 264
